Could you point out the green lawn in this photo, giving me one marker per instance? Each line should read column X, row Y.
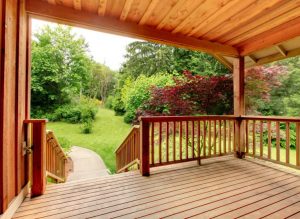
column 108, row 132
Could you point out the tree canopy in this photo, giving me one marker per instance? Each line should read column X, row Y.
column 145, row 58
column 60, row 66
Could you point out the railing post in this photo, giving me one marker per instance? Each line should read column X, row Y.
column 38, row 156
column 144, row 148
column 298, row 144
column 239, row 105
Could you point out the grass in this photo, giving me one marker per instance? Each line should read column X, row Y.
column 108, row 132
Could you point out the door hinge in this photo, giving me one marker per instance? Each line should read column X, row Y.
column 26, row 149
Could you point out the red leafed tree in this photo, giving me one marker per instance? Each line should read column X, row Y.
column 259, row 83
column 192, row 94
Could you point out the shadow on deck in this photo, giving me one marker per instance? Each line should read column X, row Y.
column 223, row 187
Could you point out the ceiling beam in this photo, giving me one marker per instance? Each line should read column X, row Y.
column 148, row 12
column 102, row 7
column 276, row 57
column 224, row 61
column 167, row 16
column 66, row 15
column 126, row 10
column 272, row 37
column 252, row 58
column 281, row 50
column 77, row 4
column 52, row 2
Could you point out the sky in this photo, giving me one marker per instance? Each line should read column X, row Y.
column 105, row 48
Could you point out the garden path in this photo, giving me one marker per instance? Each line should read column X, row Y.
column 86, row 164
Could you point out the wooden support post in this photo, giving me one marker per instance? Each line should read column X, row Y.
column 38, row 156
column 144, row 144
column 239, row 105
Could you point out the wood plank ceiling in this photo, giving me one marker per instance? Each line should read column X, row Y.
column 261, row 30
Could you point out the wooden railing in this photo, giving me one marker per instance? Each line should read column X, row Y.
column 46, row 159
column 56, row 159
column 173, row 139
column 276, row 139
column 128, row 153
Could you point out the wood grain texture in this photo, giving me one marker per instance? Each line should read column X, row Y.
column 88, row 20
column 210, row 192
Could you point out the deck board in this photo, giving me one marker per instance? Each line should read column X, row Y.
column 223, row 187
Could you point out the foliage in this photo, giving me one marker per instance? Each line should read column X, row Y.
column 78, row 111
column 145, row 58
column 109, row 102
column 117, row 104
column 86, row 126
column 64, row 143
column 60, row 68
column 192, row 94
column 198, row 62
column 102, row 81
column 135, row 93
column 259, row 82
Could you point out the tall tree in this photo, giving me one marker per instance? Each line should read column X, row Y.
column 60, row 67
column 102, row 81
column 145, row 58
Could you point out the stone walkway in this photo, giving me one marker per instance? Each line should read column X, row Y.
column 86, row 164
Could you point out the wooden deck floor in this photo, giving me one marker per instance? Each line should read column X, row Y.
column 221, row 188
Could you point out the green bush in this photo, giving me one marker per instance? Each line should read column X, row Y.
column 109, row 102
column 79, row 111
column 86, row 126
column 134, row 94
column 118, row 105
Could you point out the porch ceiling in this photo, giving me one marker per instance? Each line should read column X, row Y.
column 261, row 30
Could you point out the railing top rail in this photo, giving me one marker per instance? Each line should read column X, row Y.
column 272, row 118
column 129, row 134
column 217, row 117
column 186, row 118
column 52, row 136
column 26, row 121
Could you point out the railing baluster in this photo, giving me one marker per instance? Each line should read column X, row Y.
column 152, row 142
column 187, row 139
column 193, row 138
column 160, row 141
column 277, row 142
column 220, row 138
column 198, row 139
column 253, row 138
column 215, row 138
column 247, row 137
column 287, row 142
column 224, row 138
column 180, row 140
column 167, row 143
column 174, row 140
column 269, row 139
column 204, row 138
column 229, row 137
column 261, row 139
column 209, row 138
column 297, row 144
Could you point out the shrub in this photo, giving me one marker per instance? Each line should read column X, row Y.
column 134, row 94
column 77, row 112
column 117, row 105
column 192, row 94
column 109, row 102
column 86, row 126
